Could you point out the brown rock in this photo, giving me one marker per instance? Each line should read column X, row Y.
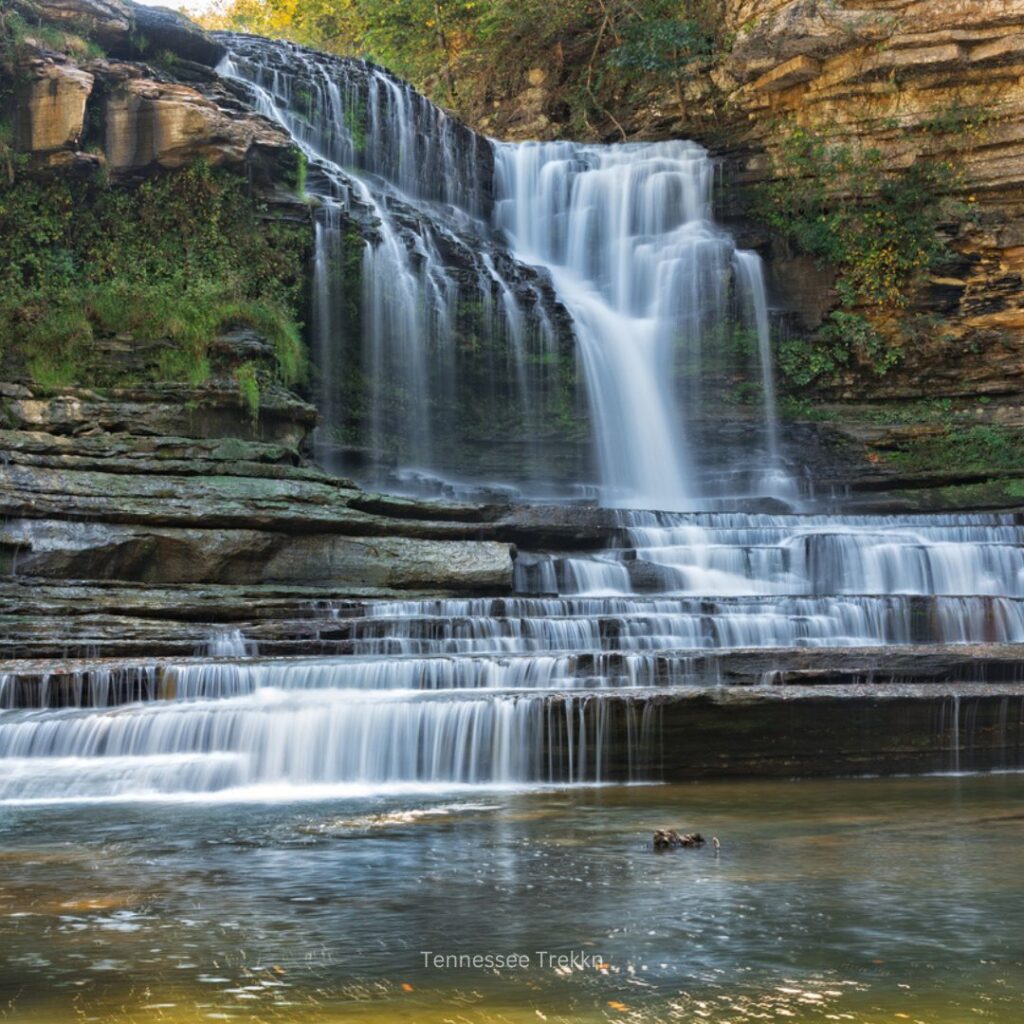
column 669, row 839
column 170, row 125
column 50, row 104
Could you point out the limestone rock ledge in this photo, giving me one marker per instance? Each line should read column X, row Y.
column 152, row 101
column 919, row 80
column 176, row 485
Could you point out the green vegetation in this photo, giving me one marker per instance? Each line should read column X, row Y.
column 959, row 119
column 174, row 260
column 977, row 449
column 458, row 50
column 794, row 408
column 15, row 31
column 846, row 340
column 879, row 229
column 847, row 209
column 249, row 389
column 297, row 178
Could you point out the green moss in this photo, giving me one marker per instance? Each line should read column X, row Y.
column 978, row 449
column 177, row 259
column 249, row 389
column 355, row 124
column 296, row 177
column 793, row 408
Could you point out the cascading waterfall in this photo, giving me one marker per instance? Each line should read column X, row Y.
column 514, row 690
column 430, row 305
column 663, row 311
column 653, row 286
column 440, row 358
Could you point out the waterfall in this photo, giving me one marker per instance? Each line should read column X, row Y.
column 651, row 283
column 421, row 324
column 459, row 283
column 519, row 690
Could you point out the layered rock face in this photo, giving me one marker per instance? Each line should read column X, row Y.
column 176, row 483
column 127, row 110
column 920, row 80
column 173, row 484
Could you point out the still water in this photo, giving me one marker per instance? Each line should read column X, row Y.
column 859, row 900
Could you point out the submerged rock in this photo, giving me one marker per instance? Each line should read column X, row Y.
column 669, row 839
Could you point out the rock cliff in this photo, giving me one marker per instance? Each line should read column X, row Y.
column 117, row 469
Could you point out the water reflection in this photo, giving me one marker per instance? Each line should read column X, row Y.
column 851, row 900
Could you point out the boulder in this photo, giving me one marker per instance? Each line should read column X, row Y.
column 169, row 125
column 50, row 105
column 165, row 30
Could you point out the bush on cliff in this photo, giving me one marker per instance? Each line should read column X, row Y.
column 177, row 258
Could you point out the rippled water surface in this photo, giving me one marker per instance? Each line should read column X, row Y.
column 861, row 900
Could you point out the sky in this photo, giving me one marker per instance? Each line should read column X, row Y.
column 185, row 6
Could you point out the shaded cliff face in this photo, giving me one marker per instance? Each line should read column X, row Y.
column 921, row 80
column 926, row 80
column 924, row 83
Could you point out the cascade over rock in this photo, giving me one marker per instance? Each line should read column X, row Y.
column 194, row 616
column 661, row 305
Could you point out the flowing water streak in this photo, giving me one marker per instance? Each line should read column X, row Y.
column 517, row 690
column 547, row 689
column 740, row 554
column 315, row 738
column 627, row 234
column 659, row 296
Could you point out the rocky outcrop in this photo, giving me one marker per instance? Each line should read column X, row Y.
column 109, row 22
column 50, row 105
column 126, row 29
column 918, row 80
column 165, row 30
column 55, row 549
column 153, row 102
column 172, row 411
column 174, row 485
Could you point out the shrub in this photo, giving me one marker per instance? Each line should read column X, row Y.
column 179, row 257
column 847, row 209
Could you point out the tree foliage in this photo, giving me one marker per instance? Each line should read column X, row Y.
column 441, row 45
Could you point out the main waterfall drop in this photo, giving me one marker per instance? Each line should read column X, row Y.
column 657, row 294
column 541, row 315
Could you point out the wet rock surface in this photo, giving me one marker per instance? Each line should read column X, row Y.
column 670, row 839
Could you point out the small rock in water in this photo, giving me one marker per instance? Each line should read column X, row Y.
column 669, row 839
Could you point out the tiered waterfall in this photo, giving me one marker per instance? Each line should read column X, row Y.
column 565, row 319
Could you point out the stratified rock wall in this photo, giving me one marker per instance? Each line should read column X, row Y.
column 152, row 102
column 920, row 80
